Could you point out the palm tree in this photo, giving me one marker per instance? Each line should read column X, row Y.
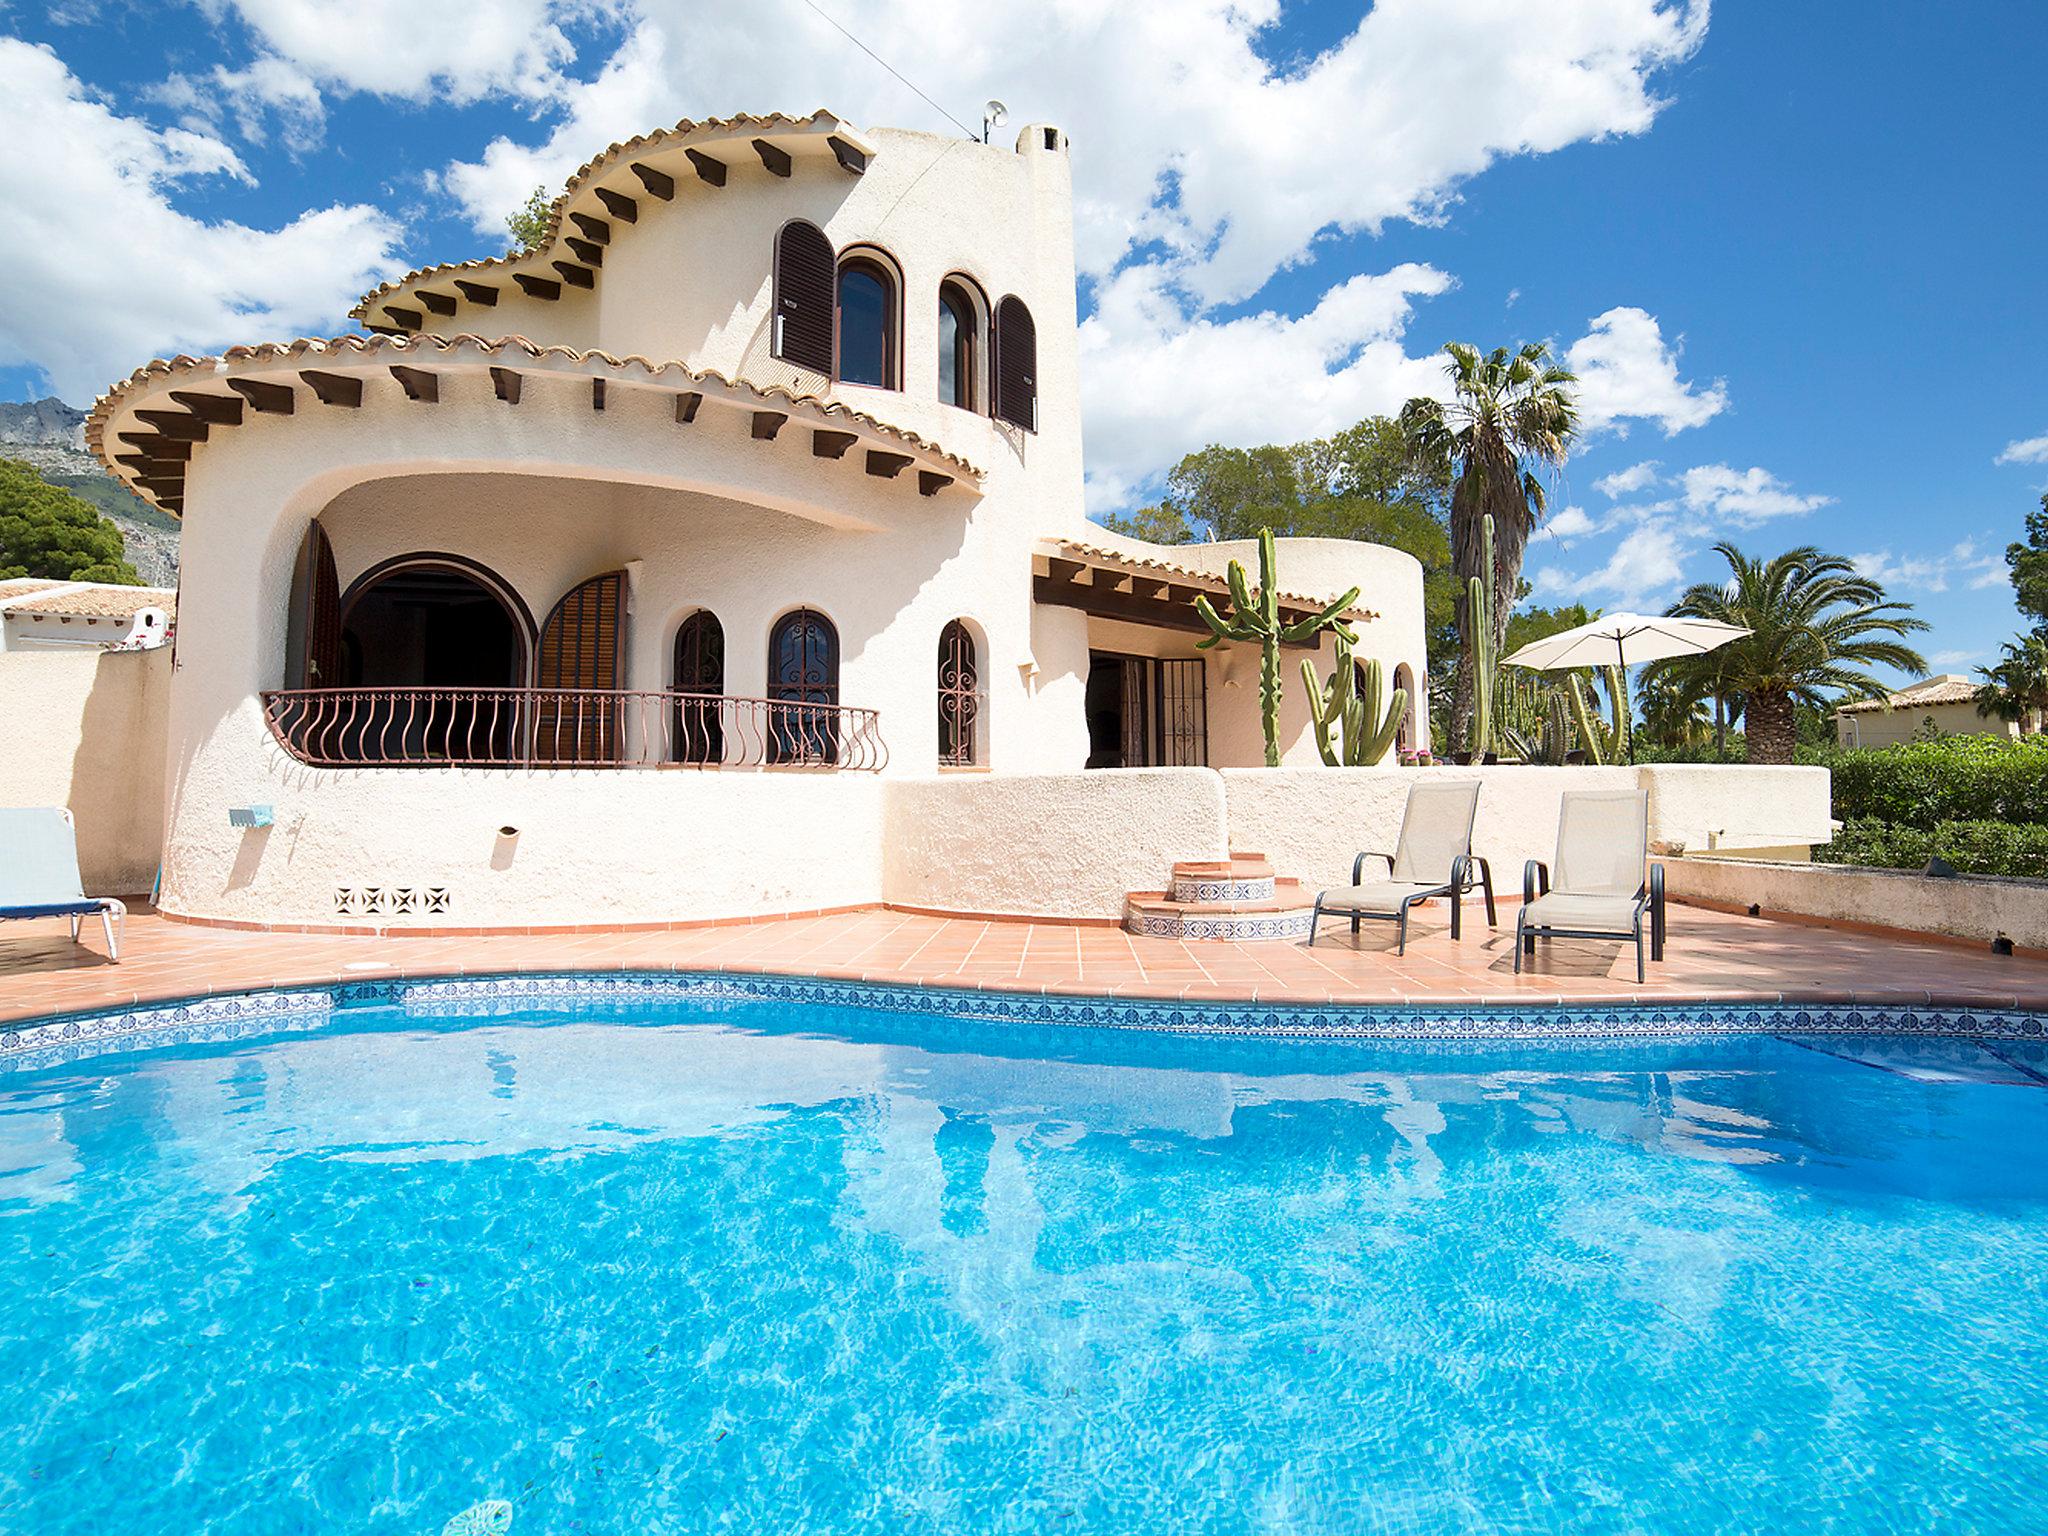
column 1673, row 707
column 1814, row 624
column 1510, row 413
column 2017, row 688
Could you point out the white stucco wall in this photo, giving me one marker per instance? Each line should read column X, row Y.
column 1063, row 845
column 1974, row 907
column 85, row 729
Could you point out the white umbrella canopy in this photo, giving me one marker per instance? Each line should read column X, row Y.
column 1624, row 639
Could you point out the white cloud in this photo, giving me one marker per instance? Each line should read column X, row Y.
column 1185, row 135
column 401, row 48
column 268, row 88
column 1744, row 497
column 114, row 273
column 1158, row 382
column 2030, row 450
column 1645, row 567
column 1932, row 573
column 1953, row 658
column 1626, row 370
column 1566, row 527
column 1626, row 482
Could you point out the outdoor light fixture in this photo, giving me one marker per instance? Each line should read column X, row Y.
column 994, row 115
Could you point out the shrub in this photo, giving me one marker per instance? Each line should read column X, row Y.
column 1952, row 779
column 1974, row 847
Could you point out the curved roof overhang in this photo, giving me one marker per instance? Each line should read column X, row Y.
column 603, row 197
column 148, row 429
column 1137, row 588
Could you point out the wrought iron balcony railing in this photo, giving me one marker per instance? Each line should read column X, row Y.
column 568, row 728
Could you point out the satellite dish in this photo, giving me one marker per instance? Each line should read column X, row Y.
column 994, row 115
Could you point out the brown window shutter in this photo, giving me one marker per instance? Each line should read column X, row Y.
column 313, row 637
column 580, row 648
column 804, row 297
column 1016, row 364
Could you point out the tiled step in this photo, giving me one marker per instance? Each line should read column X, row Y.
column 1283, row 913
column 1241, row 877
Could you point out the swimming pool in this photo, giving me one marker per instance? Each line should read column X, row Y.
column 717, row 1262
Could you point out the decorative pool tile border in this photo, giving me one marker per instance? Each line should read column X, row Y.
column 28, row 1045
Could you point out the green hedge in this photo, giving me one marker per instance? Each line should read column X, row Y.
column 1974, row 847
column 1954, row 779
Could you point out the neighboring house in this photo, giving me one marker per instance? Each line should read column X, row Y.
column 1947, row 704
column 40, row 615
column 768, row 458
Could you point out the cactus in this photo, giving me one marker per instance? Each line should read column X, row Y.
column 1367, row 731
column 1482, row 649
column 1590, row 732
column 1258, row 619
column 1619, row 711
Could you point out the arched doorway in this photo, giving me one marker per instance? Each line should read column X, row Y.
column 803, row 669
column 1404, row 734
column 452, row 639
column 432, row 621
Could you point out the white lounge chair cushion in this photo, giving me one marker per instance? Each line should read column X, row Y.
column 1374, row 896
column 1599, row 914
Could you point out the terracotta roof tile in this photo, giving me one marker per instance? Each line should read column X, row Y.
column 1076, row 549
column 346, row 351
column 536, row 260
column 1941, row 691
column 99, row 601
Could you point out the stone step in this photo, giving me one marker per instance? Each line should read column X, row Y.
column 1241, row 877
column 1282, row 914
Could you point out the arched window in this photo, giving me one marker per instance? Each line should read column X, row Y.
column 959, row 697
column 1016, row 365
column 867, row 323
column 700, row 675
column 803, row 669
column 803, row 297
column 1404, row 734
column 959, row 345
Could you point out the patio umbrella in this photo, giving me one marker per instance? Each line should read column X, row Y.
column 1623, row 640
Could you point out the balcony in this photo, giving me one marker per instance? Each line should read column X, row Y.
column 568, row 728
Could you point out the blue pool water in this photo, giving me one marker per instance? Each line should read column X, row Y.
column 739, row 1267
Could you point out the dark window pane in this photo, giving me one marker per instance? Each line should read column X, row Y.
column 949, row 354
column 863, row 327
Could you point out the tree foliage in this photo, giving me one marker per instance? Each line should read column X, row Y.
column 1815, row 625
column 1509, row 416
column 2017, row 688
column 528, row 224
column 2029, row 562
column 46, row 531
column 1361, row 483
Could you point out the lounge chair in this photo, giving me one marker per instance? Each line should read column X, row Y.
column 1595, row 889
column 1433, row 857
column 39, row 873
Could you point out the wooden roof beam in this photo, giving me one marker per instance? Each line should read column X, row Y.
column 506, row 382
column 477, row 293
column 156, row 445
column 767, row 424
column 595, row 230
column 538, row 287
column 886, row 466
column 345, row 389
column 831, row 445
column 575, row 276
column 776, row 160
column 218, row 410
column 686, row 407
column 265, row 399
column 406, row 319
column 418, row 383
column 707, row 169
column 437, row 303
column 848, row 157
column 182, row 425
column 585, row 252
column 658, row 183
column 597, row 394
column 930, row 482
column 618, row 205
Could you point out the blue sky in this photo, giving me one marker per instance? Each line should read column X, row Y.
column 1797, row 249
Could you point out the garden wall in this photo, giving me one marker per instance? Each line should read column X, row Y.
column 1974, row 907
column 85, row 729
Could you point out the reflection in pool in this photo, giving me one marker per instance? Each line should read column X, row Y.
column 738, row 1267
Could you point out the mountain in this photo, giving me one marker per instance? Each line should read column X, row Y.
column 49, row 436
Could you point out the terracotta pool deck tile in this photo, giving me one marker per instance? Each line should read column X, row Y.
column 1712, row 956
